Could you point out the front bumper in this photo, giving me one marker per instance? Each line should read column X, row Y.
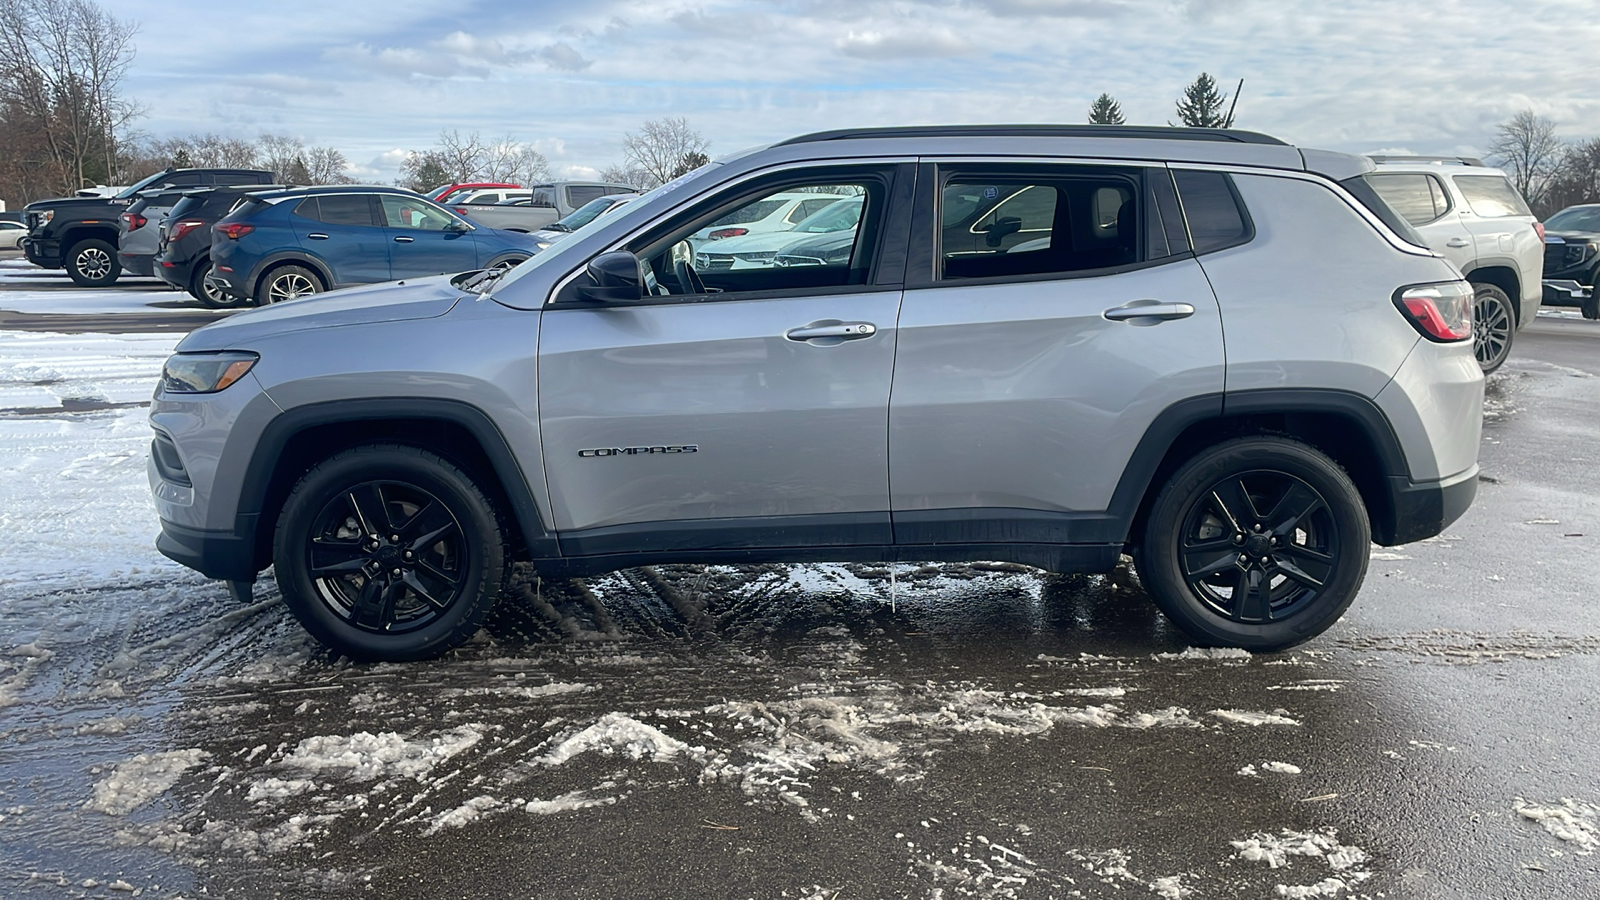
column 224, row 555
column 1422, row 510
column 1568, row 292
column 44, row 253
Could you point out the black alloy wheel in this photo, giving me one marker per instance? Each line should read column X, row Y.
column 1259, row 546
column 1493, row 324
column 390, row 552
column 1257, row 542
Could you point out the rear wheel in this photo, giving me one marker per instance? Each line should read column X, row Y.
column 287, row 283
column 389, row 552
column 93, row 263
column 1259, row 543
column 1494, row 322
column 204, row 289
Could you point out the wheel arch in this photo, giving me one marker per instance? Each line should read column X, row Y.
column 75, row 234
column 1502, row 276
column 290, row 258
column 1348, row 427
column 300, row 438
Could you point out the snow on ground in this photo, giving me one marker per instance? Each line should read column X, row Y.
column 1573, row 821
column 31, row 289
column 142, row 779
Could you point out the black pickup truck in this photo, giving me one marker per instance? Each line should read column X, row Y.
column 79, row 234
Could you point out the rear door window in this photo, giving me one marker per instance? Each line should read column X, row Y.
column 338, row 209
column 1417, row 198
column 1216, row 217
column 1491, row 196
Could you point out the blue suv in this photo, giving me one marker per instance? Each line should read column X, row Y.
column 282, row 244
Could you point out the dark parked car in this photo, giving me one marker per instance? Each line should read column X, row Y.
column 283, row 244
column 80, row 234
column 1572, row 257
column 183, row 256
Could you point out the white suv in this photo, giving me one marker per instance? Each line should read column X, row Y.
column 1474, row 217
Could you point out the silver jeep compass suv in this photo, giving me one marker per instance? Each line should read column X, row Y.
column 1043, row 344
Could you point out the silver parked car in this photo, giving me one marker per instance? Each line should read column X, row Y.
column 1215, row 351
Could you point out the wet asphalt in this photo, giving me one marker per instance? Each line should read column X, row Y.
column 857, row 731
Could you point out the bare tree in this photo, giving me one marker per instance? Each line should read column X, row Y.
column 626, row 174
column 660, row 146
column 509, row 160
column 61, row 109
column 463, row 158
column 1527, row 145
column 325, row 165
column 1575, row 180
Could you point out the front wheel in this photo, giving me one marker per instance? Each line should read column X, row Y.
column 204, row 288
column 390, row 552
column 93, row 263
column 1494, row 322
column 1259, row 543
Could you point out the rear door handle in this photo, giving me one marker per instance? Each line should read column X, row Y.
column 1458, row 242
column 317, row 236
column 832, row 331
column 402, row 239
column 1149, row 312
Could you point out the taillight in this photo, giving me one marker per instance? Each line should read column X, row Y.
column 721, row 233
column 186, row 226
column 462, row 210
column 235, row 230
column 134, row 220
column 1538, row 228
column 1440, row 312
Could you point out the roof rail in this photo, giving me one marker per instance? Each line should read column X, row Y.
column 1442, row 160
column 1139, row 132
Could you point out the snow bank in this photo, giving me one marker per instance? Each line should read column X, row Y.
column 617, row 733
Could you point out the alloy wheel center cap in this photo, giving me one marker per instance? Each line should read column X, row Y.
column 388, row 555
column 1258, row 545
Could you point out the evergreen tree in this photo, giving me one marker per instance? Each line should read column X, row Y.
column 1202, row 105
column 1106, row 111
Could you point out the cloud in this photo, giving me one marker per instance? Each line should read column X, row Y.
column 933, row 43
column 405, row 61
column 1061, row 9
column 288, row 84
column 562, row 56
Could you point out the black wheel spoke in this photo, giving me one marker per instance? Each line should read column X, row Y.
column 1253, row 603
column 336, row 557
column 1295, row 573
column 433, row 571
column 1298, row 502
column 1233, row 502
column 1305, row 565
column 1203, row 559
column 375, row 605
column 426, row 527
column 366, row 501
column 416, row 586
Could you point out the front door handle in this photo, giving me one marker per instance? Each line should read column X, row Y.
column 832, row 331
column 317, row 236
column 1149, row 312
column 1458, row 242
column 402, row 239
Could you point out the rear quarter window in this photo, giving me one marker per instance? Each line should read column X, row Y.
column 1217, row 218
column 1416, row 197
column 1491, row 196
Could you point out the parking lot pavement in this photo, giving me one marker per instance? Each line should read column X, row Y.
column 802, row 731
column 35, row 299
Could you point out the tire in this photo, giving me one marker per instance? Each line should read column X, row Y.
column 1204, row 542
column 341, row 584
column 206, row 291
column 1494, row 324
column 93, row 263
column 287, row 283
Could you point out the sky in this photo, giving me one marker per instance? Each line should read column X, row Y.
column 379, row 78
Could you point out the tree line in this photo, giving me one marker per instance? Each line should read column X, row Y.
column 1202, row 105
column 1550, row 173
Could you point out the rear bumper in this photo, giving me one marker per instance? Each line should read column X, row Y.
column 175, row 274
column 1422, row 510
column 42, row 252
column 137, row 264
column 224, row 555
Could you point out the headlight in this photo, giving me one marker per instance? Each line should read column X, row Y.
column 45, row 217
column 543, row 245
column 205, row 373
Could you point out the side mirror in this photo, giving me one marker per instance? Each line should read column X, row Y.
column 1003, row 226
column 456, row 226
column 616, row 277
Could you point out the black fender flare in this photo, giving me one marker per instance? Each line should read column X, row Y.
column 291, row 257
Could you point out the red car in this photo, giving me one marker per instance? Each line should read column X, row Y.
column 441, row 195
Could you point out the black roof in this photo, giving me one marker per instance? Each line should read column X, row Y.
column 1139, row 132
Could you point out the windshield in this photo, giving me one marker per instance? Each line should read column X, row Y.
column 833, row 217
column 639, row 207
column 586, row 213
column 1578, row 218
column 130, row 191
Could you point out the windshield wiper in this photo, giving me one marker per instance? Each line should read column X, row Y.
column 557, row 226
